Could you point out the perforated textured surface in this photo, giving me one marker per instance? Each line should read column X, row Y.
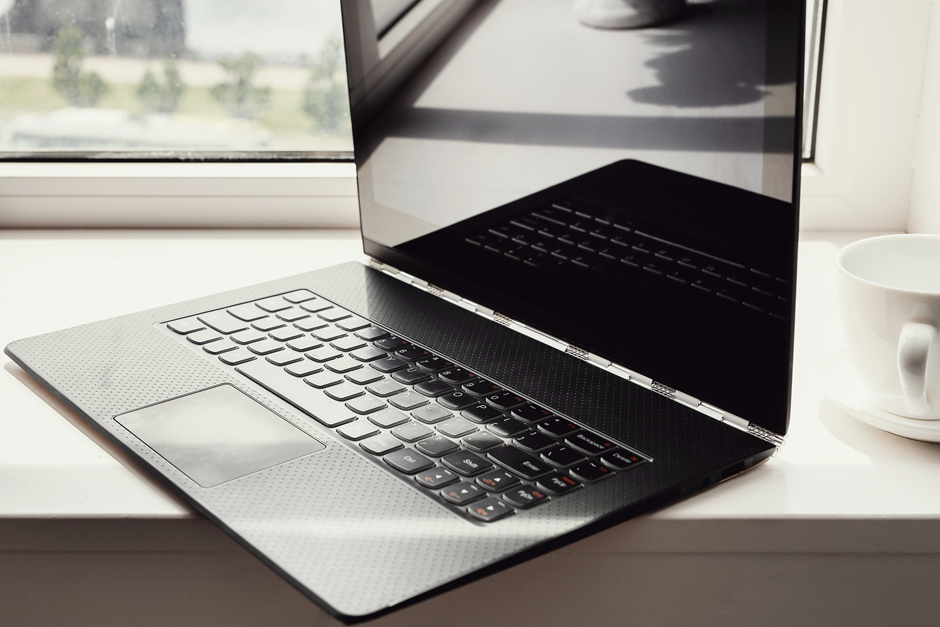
column 350, row 534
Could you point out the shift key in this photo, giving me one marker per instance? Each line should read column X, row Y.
column 520, row 462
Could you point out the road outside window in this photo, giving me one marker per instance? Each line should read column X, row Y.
column 172, row 77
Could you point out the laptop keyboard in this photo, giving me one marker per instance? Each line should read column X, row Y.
column 483, row 450
column 572, row 235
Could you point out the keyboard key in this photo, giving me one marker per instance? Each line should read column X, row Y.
column 186, row 325
column 455, row 376
column 203, row 337
column 371, row 333
column 223, row 322
column 590, row 471
column 431, row 414
column 222, row 346
column 480, row 442
column 369, row 353
column 411, row 376
column 531, row 413
column 285, row 358
column 534, row 442
column 265, row 347
column 357, row 430
column 463, row 492
column 466, row 463
column 238, row 356
column 437, row 446
column 316, row 306
column 490, row 509
column 298, row 296
column 433, row 364
column 519, row 462
column 285, row 334
column 323, row 354
column 621, row 459
column 480, row 387
column 388, row 418
column 303, row 369
column 389, row 364
column 505, row 400
column 411, row 353
column 349, row 343
column 481, row 413
column 456, row 427
column 525, row 496
column 353, row 324
column 392, row 342
column 344, row 392
column 408, row 400
column 385, row 388
column 557, row 483
column 507, row 427
column 272, row 304
column 456, row 400
column 310, row 324
column 589, row 443
column 328, row 334
column 433, row 388
column 292, row 315
column 381, row 444
column 334, row 314
column 364, row 376
column 558, row 427
column 411, row 432
column 563, row 456
column 247, row 312
column 248, row 336
column 304, row 344
column 408, row 461
column 436, row 478
column 343, row 364
column 322, row 380
column 364, row 404
column 497, row 481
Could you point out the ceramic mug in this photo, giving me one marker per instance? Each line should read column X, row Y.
column 889, row 293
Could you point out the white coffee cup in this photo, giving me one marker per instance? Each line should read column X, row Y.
column 889, row 293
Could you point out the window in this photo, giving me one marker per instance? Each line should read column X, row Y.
column 868, row 104
column 146, row 78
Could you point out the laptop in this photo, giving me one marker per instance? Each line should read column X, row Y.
column 578, row 306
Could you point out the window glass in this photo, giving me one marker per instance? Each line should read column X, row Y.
column 172, row 76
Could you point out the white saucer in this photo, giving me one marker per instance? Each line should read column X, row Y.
column 838, row 382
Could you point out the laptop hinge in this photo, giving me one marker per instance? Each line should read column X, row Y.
column 662, row 389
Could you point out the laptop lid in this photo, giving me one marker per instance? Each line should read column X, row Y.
column 631, row 193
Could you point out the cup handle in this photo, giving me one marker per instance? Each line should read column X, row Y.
column 913, row 348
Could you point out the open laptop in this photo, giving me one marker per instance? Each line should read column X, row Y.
column 579, row 306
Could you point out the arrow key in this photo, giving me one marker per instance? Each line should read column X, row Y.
column 436, row 478
column 490, row 509
column 497, row 481
column 463, row 492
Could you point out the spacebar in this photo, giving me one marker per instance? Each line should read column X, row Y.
column 305, row 398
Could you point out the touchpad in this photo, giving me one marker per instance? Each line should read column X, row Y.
column 218, row 434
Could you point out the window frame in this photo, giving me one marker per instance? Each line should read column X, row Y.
column 860, row 179
column 868, row 117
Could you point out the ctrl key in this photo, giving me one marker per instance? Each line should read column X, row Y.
column 524, row 496
column 489, row 509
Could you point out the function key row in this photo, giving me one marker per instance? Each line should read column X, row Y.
column 483, row 449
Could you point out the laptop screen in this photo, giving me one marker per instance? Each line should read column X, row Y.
column 631, row 192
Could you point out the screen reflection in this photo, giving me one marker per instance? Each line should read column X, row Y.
column 628, row 191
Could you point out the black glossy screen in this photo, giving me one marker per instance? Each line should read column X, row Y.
column 631, row 192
